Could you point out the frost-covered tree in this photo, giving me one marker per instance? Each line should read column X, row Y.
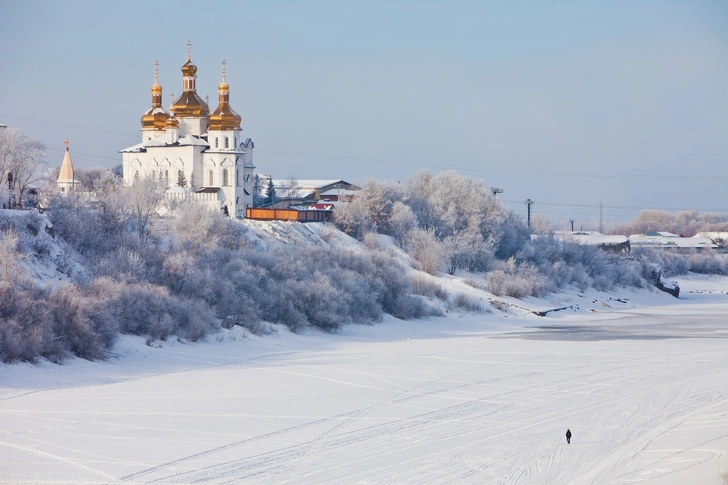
column 145, row 196
column 20, row 158
column 10, row 270
column 424, row 247
column 289, row 187
column 401, row 221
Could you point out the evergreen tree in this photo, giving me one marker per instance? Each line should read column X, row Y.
column 257, row 191
column 181, row 179
column 270, row 193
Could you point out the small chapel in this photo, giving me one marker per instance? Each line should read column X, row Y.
column 196, row 154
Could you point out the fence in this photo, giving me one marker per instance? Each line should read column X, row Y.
column 287, row 215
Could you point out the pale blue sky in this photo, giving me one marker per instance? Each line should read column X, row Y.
column 568, row 103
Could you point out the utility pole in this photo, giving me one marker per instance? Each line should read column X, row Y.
column 601, row 218
column 572, row 224
column 11, row 197
column 529, row 203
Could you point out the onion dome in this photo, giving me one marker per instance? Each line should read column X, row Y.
column 189, row 104
column 189, row 69
column 224, row 117
column 172, row 122
column 155, row 117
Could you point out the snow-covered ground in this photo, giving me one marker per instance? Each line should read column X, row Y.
column 640, row 379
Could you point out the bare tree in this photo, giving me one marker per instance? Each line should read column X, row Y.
column 145, row 196
column 21, row 157
column 290, row 187
column 10, row 270
column 541, row 225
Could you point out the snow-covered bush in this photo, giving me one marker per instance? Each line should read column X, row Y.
column 516, row 280
column 468, row 303
column 424, row 286
column 708, row 262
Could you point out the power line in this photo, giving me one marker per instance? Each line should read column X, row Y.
column 493, row 169
column 551, row 173
column 526, row 145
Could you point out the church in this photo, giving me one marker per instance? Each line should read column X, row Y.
column 196, row 154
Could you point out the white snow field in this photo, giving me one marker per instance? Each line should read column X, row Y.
column 465, row 399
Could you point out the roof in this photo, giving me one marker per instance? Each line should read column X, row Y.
column 66, row 173
column 592, row 238
column 671, row 241
column 161, row 141
column 307, row 188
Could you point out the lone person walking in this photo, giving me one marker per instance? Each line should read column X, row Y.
column 568, row 436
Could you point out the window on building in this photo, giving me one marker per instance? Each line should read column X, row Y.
column 154, row 175
column 166, row 177
column 216, row 142
column 237, row 177
column 227, row 142
column 63, row 189
column 136, row 176
column 211, row 179
column 225, row 180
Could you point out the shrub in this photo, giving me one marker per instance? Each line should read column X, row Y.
column 424, row 286
column 468, row 303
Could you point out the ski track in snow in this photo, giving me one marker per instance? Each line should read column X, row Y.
column 469, row 407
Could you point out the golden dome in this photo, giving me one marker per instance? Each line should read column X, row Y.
column 155, row 117
column 172, row 122
column 189, row 69
column 224, row 117
column 189, row 104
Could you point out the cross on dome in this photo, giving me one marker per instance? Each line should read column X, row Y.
column 223, row 63
column 189, row 49
column 156, row 70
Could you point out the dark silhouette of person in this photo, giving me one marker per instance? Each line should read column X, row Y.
column 568, row 436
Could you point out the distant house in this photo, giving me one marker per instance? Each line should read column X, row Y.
column 719, row 238
column 609, row 243
column 296, row 193
column 668, row 240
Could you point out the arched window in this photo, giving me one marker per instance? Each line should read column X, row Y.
column 225, row 180
column 211, row 180
column 166, row 177
column 216, row 142
column 136, row 176
column 227, row 142
column 237, row 177
column 154, row 175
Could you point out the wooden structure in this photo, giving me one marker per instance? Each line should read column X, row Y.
column 261, row 214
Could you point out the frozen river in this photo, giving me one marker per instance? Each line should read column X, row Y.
column 465, row 399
